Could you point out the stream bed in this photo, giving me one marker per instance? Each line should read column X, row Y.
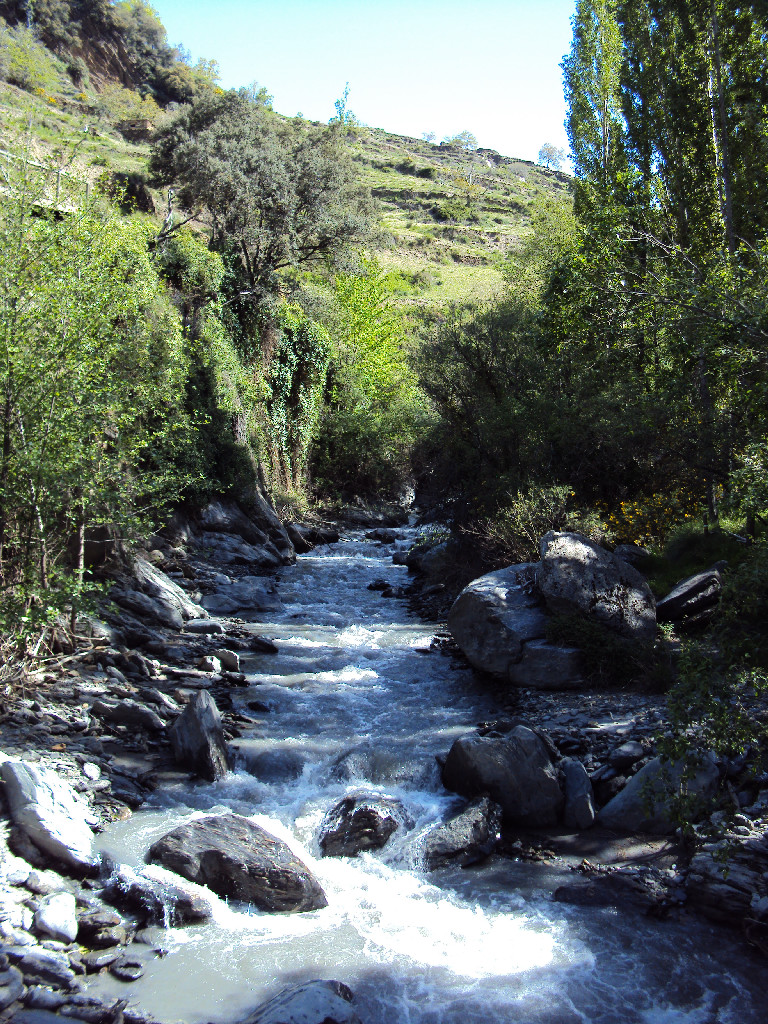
column 360, row 703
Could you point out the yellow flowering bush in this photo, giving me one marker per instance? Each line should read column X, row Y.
column 648, row 521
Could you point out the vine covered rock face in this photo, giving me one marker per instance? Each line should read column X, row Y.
column 578, row 576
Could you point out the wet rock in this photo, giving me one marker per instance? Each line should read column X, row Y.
column 39, row 997
column 576, row 575
column 98, row 959
column 127, row 969
column 128, row 712
column 514, row 770
column 382, row 535
column 302, row 545
column 276, row 765
column 579, row 811
column 645, row 803
column 468, row 837
column 158, row 895
column 316, row 1002
column 316, row 535
column 691, row 597
column 360, row 823
column 30, row 1016
column 49, row 813
column 247, row 595
column 240, row 860
column 57, row 917
column 198, row 741
column 43, row 966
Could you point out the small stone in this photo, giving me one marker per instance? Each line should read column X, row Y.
column 91, row 771
column 626, row 755
column 57, row 917
column 209, row 664
column 100, row 958
column 229, row 660
column 127, row 969
column 40, row 997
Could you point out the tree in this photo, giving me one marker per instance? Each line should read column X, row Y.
column 277, row 193
column 463, row 140
column 428, row 136
column 551, row 156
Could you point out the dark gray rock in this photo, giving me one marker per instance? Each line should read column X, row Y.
column 578, row 576
column 126, row 969
column 49, row 813
column 514, row 770
column 204, row 626
column 626, row 755
column 302, row 545
column 240, row 860
column 247, row 595
column 579, row 811
column 31, row 1016
column 231, row 550
column 128, row 712
column 43, row 966
column 467, row 838
column 360, row 823
column 11, row 986
column 157, row 895
column 316, row 1002
column 644, row 804
column 226, row 517
column 198, row 740
column 547, row 666
column 154, row 612
column 691, row 597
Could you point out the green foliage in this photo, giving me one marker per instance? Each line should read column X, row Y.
column 374, row 409
column 519, row 521
column 24, row 60
column 295, row 379
column 462, row 140
column 278, row 193
column 92, row 369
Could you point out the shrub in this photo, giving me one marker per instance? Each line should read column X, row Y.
column 25, row 62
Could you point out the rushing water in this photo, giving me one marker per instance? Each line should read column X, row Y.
column 359, row 703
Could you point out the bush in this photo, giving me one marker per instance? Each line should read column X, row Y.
column 25, row 62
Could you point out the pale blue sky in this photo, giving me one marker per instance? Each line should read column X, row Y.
column 490, row 66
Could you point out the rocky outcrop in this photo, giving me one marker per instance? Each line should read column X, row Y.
column 500, row 625
column 316, row 1002
column 198, row 741
column 360, row 823
column 727, row 879
column 692, row 598
column 515, row 770
column 467, row 838
column 50, row 813
column 239, row 860
column 578, row 576
column 645, row 803
column 260, row 530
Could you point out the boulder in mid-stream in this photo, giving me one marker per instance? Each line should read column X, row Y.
column 239, row 860
column 515, row 770
column 467, row 838
column 359, row 823
column 49, row 812
column 315, row 1002
column 198, row 741
column 578, row 576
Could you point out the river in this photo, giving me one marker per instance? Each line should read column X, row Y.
column 359, row 702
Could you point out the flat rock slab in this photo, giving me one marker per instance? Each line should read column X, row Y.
column 316, row 1002
column 577, row 576
column 644, row 805
column 50, row 813
column 239, row 860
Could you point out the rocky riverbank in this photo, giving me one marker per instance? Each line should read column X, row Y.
column 87, row 738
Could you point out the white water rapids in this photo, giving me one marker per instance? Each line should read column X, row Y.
column 355, row 707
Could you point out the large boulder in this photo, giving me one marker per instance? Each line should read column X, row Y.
column 691, row 598
column 645, row 803
column 161, row 588
column 515, row 770
column 500, row 625
column 259, row 527
column 467, row 838
column 50, row 813
column 128, row 712
column 239, row 860
column 157, row 613
column 578, row 576
column 359, row 823
column 230, row 549
column 248, row 594
column 315, row 1002
column 197, row 736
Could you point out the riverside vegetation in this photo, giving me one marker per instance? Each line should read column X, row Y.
column 246, row 307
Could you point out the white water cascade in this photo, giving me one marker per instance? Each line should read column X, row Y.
column 359, row 702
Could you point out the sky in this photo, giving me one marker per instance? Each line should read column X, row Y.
column 413, row 66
